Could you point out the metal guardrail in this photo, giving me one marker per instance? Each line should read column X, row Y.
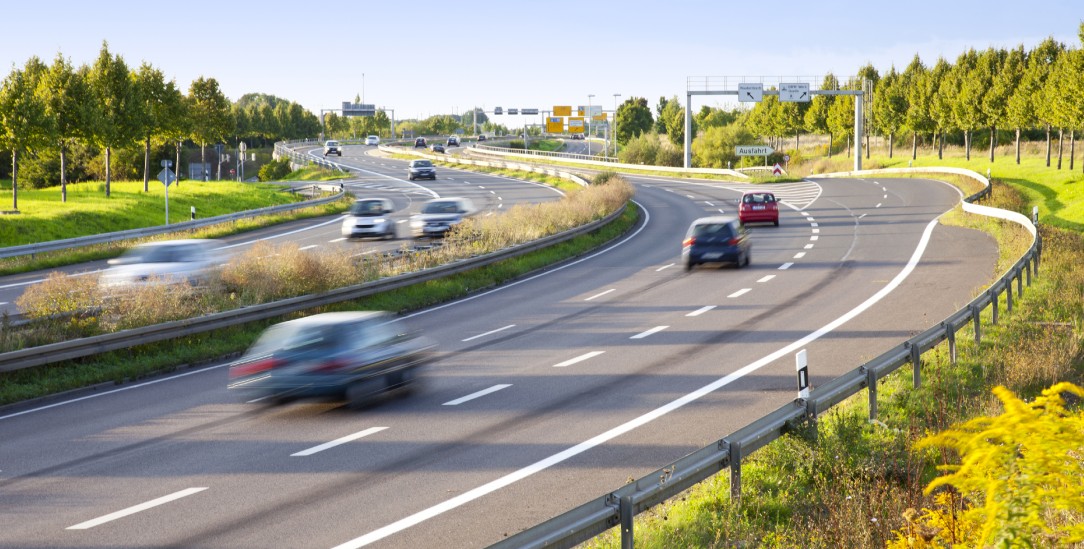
column 620, row 506
column 488, row 163
column 56, row 352
column 593, row 161
column 68, row 243
column 550, row 154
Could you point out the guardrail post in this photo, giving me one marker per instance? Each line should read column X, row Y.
column 950, row 335
column 916, row 361
column 735, row 472
column 871, row 386
column 975, row 312
column 1019, row 283
column 1008, row 292
column 993, row 302
column 625, row 510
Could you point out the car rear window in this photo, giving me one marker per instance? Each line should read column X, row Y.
column 719, row 230
column 758, row 198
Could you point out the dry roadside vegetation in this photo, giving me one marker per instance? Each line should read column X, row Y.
column 68, row 307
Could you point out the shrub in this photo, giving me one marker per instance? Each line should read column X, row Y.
column 641, row 150
column 275, row 170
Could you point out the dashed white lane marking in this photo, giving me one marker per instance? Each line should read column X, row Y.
column 815, row 231
column 337, row 240
column 805, row 214
column 809, row 246
column 492, row 192
column 601, row 294
column 338, row 441
column 878, row 205
column 309, row 247
column 654, row 330
column 709, row 203
column 491, row 332
column 721, row 211
column 691, row 197
column 861, row 216
column 135, row 509
column 664, row 267
column 799, row 255
column 481, row 393
column 785, row 266
column 740, row 293
column 580, row 358
column 767, row 278
column 814, row 238
column 701, row 310
column 480, row 187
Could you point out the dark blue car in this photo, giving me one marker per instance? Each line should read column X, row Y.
column 717, row 239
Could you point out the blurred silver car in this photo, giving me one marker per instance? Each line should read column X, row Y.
column 439, row 215
column 369, row 217
column 348, row 355
column 164, row 262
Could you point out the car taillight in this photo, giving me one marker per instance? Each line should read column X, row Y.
column 734, row 241
column 329, row 365
column 689, row 241
column 253, row 368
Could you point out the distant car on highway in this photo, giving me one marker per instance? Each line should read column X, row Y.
column 481, row 137
column 166, row 262
column 347, row 355
column 437, row 148
column 421, row 169
column 369, row 217
column 419, row 143
column 372, row 140
column 439, row 215
column 453, row 141
column 716, row 239
column 333, row 147
column 759, row 207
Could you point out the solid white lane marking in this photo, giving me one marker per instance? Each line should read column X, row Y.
column 309, row 247
column 654, row 330
column 767, row 278
column 640, row 421
column 491, row 332
column 135, row 509
column 481, row 393
column 701, row 310
column 338, row 441
column 601, row 294
column 785, row 266
column 809, row 246
column 337, row 239
column 799, row 255
column 580, row 358
column 667, row 266
column 740, row 292
column 709, row 203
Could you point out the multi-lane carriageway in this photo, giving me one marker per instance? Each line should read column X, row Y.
column 547, row 392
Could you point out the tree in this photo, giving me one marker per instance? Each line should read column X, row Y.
column 1062, row 92
column 942, row 86
column 970, row 82
column 1040, row 64
column 868, row 74
column 816, row 116
column 915, row 81
column 993, row 66
column 209, row 112
column 841, row 113
column 633, row 119
column 24, row 120
column 116, row 108
column 66, row 100
column 672, row 118
column 715, row 146
column 890, row 109
column 162, row 104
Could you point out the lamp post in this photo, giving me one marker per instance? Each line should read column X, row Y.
column 589, row 117
column 616, row 95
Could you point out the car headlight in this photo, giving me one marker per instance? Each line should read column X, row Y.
column 417, row 223
column 378, row 220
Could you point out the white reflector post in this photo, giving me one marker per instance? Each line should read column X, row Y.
column 802, row 365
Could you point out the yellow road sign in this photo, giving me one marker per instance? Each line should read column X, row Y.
column 599, row 117
column 575, row 124
column 555, row 124
column 562, row 110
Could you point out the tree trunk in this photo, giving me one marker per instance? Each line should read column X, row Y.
column 14, row 179
column 940, row 145
column 1061, row 144
column 891, row 143
column 1017, row 146
column 830, row 141
column 1048, row 145
column 1072, row 149
column 967, row 144
column 178, row 163
column 797, row 135
column 146, row 162
column 63, row 170
column 108, row 175
column 914, row 145
column 867, row 145
column 993, row 141
column 203, row 160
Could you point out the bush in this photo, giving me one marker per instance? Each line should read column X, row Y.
column 670, row 155
column 715, row 147
column 275, row 170
column 641, row 150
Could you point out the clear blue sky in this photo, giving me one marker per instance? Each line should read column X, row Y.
column 423, row 57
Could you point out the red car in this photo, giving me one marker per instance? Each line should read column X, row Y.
column 758, row 207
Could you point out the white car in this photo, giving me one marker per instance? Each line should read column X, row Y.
column 372, row 140
column 369, row 217
column 333, row 147
column 165, row 262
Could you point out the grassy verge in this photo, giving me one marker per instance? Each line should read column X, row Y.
column 155, row 359
column 846, row 482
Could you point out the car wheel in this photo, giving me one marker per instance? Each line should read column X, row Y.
column 689, row 266
column 359, row 394
column 776, row 222
column 390, row 235
column 410, row 178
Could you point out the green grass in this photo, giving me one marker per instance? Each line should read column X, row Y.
column 168, row 356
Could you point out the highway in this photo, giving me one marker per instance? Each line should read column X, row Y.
column 370, row 176
column 547, row 392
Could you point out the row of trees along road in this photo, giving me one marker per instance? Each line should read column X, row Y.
column 48, row 109
column 1022, row 91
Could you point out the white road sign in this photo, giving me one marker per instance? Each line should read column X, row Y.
column 750, row 92
column 753, row 150
column 794, row 92
column 167, row 176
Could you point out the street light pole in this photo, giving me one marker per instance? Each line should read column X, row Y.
column 589, row 117
column 616, row 95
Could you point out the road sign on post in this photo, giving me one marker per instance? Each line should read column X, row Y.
column 794, row 92
column 750, row 93
column 166, row 176
column 753, row 150
column 555, row 124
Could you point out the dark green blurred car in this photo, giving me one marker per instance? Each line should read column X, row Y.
column 351, row 355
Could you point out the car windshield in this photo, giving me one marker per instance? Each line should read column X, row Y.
column 421, row 164
column 441, row 207
column 367, row 207
column 294, row 338
column 332, row 143
column 721, row 230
